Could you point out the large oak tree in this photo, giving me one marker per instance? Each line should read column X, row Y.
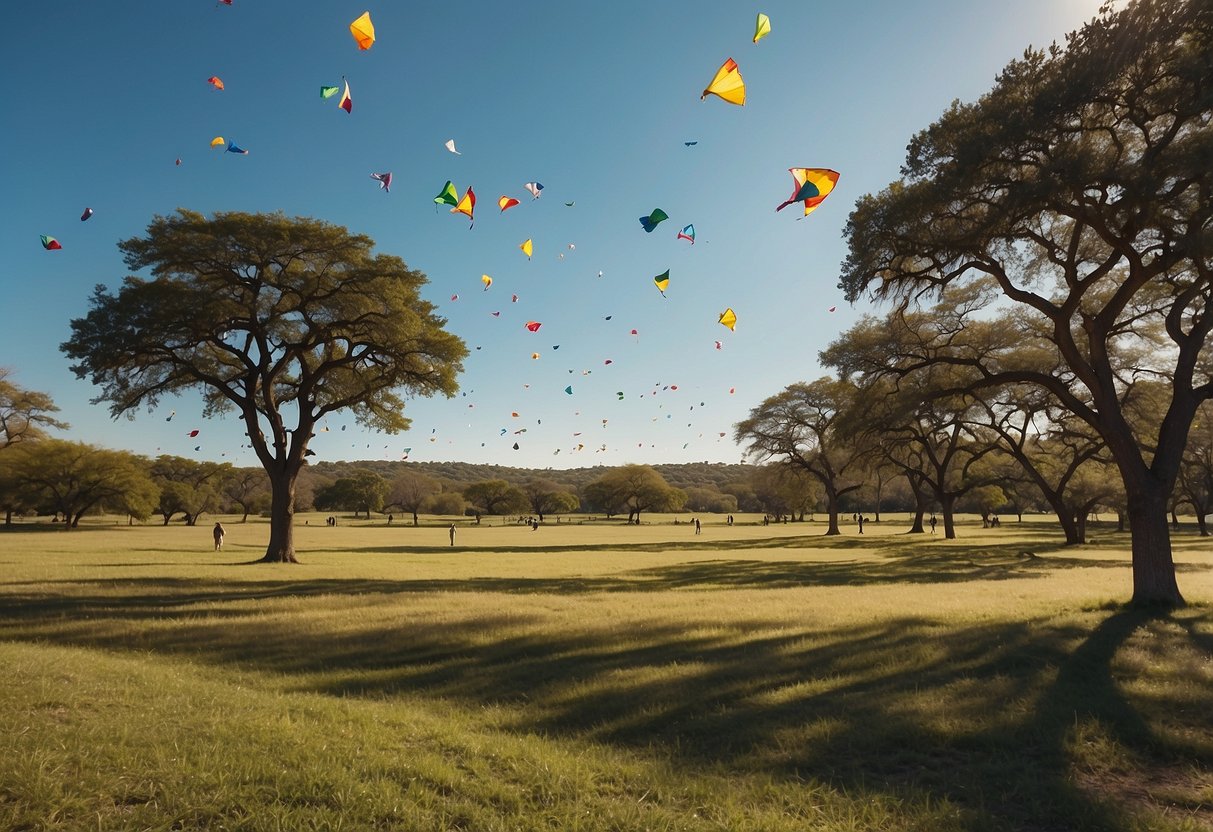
column 1081, row 186
column 283, row 320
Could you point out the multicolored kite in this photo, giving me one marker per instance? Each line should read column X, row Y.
column 384, row 179
column 527, row 248
column 652, row 220
column 466, row 205
column 813, row 185
column 448, row 195
column 346, row 103
column 487, row 281
column 762, row 27
column 50, row 243
column 727, row 84
column 215, row 82
column 363, row 31
column 533, row 188
column 328, row 92
column 728, row 318
column 450, row 145
column 663, row 282
column 506, row 202
column 687, row 233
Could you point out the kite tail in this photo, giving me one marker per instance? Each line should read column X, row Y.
column 784, row 205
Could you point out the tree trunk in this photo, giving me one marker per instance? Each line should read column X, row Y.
column 415, row 523
column 1201, row 524
column 281, row 548
column 832, row 507
column 1080, row 527
column 1153, row 567
column 8, row 517
column 946, row 503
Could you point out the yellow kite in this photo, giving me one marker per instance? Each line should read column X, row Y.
column 466, row 205
column 487, row 281
column 727, row 84
column 813, row 185
column 762, row 27
column 363, row 31
column 218, row 141
column 527, row 249
column 729, row 318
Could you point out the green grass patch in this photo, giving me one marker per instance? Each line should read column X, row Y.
column 584, row 677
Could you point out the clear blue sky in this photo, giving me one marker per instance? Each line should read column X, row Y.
column 594, row 100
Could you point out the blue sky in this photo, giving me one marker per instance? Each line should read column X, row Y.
column 594, row 100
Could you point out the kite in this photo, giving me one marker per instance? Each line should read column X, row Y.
column 663, row 282
column 88, row 212
column 527, row 248
column 533, row 326
column 728, row 318
column 218, row 141
column 215, row 82
column 170, row 416
column 513, row 298
column 833, row 309
column 570, row 204
column 346, row 103
column 328, row 92
column 515, row 446
column 495, row 314
column 178, row 163
column 533, row 188
column 555, row 346
column 50, row 243
column 232, row 148
column 193, row 433
column 487, row 281
column 384, row 179
column 449, row 144
column 363, row 31
column 687, row 233
column 691, row 144
column 727, row 84
column 506, row 202
column 454, row 297
column 569, row 389
column 535, row 356
column 651, row 221
column 448, row 195
column 813, row 185
column 719, row 345
column 635, row 332
column 762, row 27
column 466, row 205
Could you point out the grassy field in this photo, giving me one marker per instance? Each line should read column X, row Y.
column 594, row 676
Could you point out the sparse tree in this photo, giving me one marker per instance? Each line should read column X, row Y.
column 283, row 320
column 496, row 497
column 636, row 489
column 248, row 489
column 547, row 497
column 411, row 490
column 73, row 478
column 364, row 490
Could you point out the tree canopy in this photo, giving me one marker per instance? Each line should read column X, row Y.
column 283, row 320
column 1077, row 189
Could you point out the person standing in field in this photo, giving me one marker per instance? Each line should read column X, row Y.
column 452, row 532
column 218, row 533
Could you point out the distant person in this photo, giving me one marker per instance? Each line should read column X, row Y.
column 451, row 530
column 534, row 525
column 698, row 529
column 390, row 518
column 932, row 524
column 218, row 533
column 860, row 521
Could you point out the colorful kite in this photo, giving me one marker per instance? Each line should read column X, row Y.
column 215, row 82
column 527, row 248
column 50, row 243
column 533, row 326
column 466, row 205
column 487, row 281
column 346, row 103
column 328, row 92
column 728, row 318
column 218, row 141
column 762, row 27
column 727, row 84
column 506, row 202
column 813, row 185
column 687, row 233
column 88, row 212
column 448, row 195
column 652, row 220
column 663, row 282
column 363, row 31
column 384, row 179
column 450, row 145
column 533, row 188
column 231, row 148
